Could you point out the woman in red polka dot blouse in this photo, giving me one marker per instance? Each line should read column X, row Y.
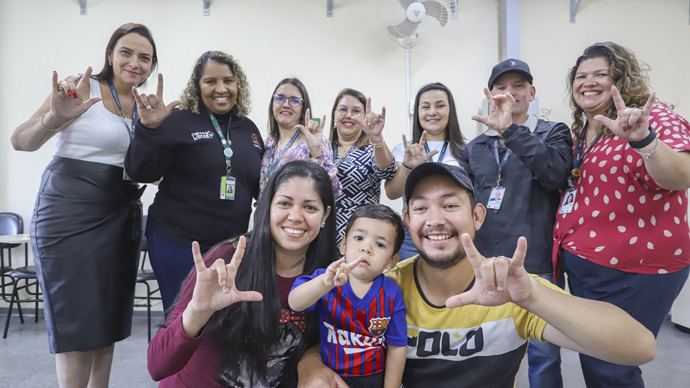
column 625, row 239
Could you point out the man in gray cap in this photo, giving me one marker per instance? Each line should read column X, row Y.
column 469, row 317
column 517, row 167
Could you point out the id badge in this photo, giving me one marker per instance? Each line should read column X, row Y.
column 227, row 188
column 568, row 202
column 496, row 198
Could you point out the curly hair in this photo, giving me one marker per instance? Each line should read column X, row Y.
column 629, row 75
column 191, row 96
column 363, row 139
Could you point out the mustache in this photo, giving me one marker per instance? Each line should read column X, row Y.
column 438, row 230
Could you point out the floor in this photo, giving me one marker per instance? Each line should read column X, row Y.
column 26, row 362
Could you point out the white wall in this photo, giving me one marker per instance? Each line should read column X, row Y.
column 276, row 39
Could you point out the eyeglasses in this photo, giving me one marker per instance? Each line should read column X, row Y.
column 355, row 111
column 293, row 100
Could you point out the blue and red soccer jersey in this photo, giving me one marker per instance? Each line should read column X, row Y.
column 354, row 331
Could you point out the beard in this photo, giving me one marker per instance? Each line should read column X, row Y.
column 441, row 260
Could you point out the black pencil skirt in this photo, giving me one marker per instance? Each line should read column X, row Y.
column 86, row 238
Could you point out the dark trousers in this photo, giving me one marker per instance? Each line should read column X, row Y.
column 544, row 358
column 646, row 297
column 171, row 263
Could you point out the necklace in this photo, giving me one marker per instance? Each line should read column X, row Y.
column 127, row 113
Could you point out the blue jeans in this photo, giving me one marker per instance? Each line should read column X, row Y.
column 544, row 358
column 646, row 297
column 171, row 263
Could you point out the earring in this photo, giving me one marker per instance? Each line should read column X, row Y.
column 323, row 224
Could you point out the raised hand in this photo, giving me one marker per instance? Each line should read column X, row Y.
column 632, row 124
column 414, row 154
column 313, row 133
column 215, row 286
column 372, row 123
column 151, row 108
column 498, row 280
column 501, row 106
column 65, row 104
column 69, row 83
column 337, row 273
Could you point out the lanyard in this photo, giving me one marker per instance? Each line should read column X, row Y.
column 500, row 163
column 440, row 155
column 335, row 153
column 578, row 157
column 113, row 91
column 227, row 151
column 272, row 164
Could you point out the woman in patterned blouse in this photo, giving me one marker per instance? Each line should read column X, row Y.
column 361, row 155
column 293, row 134
column 624, row 240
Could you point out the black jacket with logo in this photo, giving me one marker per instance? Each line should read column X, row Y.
column 186, row 152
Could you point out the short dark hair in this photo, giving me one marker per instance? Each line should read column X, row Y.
column 107, row 72
column 380, row 212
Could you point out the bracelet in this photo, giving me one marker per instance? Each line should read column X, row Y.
column 644, row 142
column 46, row 128
column 646, row 155
column 406, row 166
column 377, row 145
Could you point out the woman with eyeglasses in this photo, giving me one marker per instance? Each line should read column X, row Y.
column 360, row 153
column 436, row 137
column 293, row 135
column 208, row 153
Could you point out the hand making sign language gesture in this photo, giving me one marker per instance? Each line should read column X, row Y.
column 151, row 108
column 413, row 156
column 312, row 132
column 372, row 123
column 498, row 280
column 669, row 169
column 415, row 153
column 214, row 289
column 338, row 272
column 500, row 117
column 632, row 124
column 569, row 319
column 65, row 103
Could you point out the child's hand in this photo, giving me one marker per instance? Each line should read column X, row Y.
column 337, row 273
